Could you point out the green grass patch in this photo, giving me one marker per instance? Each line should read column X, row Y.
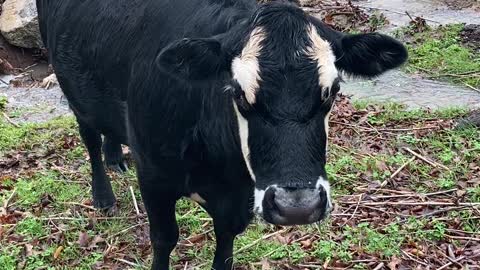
column 439, row 53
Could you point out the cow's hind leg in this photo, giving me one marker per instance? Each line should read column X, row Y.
column 114, row 155
column 103, row 197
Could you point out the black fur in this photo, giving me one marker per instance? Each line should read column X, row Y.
column 163, row 66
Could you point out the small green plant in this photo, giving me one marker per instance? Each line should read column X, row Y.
column 3, row 103
column 439, row 53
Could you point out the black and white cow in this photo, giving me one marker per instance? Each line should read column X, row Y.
column 223, row 101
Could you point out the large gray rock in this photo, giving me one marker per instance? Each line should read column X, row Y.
column 19, row 23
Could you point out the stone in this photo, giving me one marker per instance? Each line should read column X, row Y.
column 19, row 23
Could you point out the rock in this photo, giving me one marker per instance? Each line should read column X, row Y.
column 19, row 23
column 473, row 119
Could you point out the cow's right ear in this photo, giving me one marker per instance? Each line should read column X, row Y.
column 193, row 59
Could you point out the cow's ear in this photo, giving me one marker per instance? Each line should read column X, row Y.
column 369, row 55
column 193, row 59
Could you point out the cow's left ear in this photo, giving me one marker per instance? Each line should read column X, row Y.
column 368, row 55
column 193, row 59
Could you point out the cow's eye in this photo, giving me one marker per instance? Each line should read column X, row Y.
column 239, row 97
column 335, row 88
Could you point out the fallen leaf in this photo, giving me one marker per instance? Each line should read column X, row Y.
column 394, row 263
column 83, row 239
column 57, row 252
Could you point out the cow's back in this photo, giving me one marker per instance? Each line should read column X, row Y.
column 107, row 36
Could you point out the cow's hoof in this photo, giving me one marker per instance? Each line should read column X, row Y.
column 110, row 211
column 118, row 167
column 108, row 208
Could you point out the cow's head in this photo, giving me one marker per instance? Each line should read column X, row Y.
column 284, row 76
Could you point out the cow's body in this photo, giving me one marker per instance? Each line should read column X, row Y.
column 190, row 75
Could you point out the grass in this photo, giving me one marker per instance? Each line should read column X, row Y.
column 50, row 223
column 439, row 53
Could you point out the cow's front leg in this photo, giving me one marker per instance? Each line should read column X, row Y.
column 231, row 215
column 224, row 251
column 160, row 205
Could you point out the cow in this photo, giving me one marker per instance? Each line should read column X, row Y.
column 223, row 101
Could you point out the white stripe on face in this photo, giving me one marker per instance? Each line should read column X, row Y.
column 246, row 69
column 327, row 128
column 321, row 51
column 243, row 132
column 321, row 182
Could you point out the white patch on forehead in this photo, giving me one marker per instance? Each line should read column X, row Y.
column 321, row 182
column 258, row 201
column 243, row 133
column 321, row 51
column 245, row 67
column 196, row 197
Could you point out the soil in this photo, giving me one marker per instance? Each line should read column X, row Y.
column 473, row 119
column 462, row 4
column 471, row 36
column 14, row 60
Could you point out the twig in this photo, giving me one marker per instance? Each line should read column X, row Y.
column 463, row 238
column 475, row 254
column 434, row 164
column 473, row 88
column 413, row 259
column 384, row 183
column 413, row 203
column 442, row 211
column 125, row 230
column 86, row 218
column 129, row 263
column 134, row 201
column 10, row 120
column 7, row 201
column 379, row 266
column 259, row 240
column 413, row 195
column 451, row 259
column 79, row 204
column 354, row 211
column 6, row 83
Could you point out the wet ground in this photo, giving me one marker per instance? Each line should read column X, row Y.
column 434, row 11
column 410, row 89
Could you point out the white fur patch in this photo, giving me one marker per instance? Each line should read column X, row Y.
column 327, row 128
column 196, row 197
column 321, row 51
column 258, row 201
column 245, row 67
column 243, row 132
column 321, row 182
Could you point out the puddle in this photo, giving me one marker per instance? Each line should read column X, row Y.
column 396, row 86
column 34, row 105
column 434, row 11
column 413, row 90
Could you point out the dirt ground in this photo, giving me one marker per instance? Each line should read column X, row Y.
column 461, row 4
column 471, row 37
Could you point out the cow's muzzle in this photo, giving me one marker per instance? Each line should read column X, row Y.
column 295, row 206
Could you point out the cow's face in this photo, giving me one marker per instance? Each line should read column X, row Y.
column 283, row 81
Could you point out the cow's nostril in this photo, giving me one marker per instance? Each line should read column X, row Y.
column 298, row 206
column 269, row 198
column 297, row 209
